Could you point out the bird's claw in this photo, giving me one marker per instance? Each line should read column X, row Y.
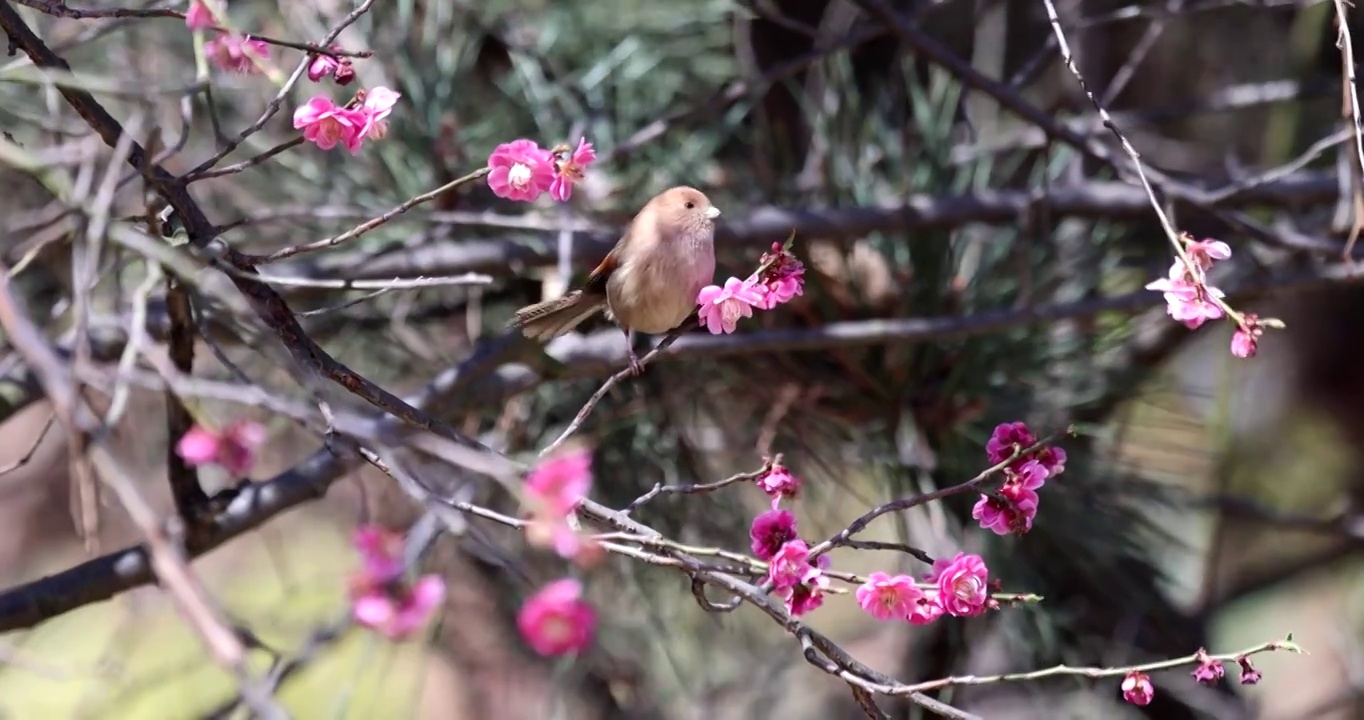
column 636, row 367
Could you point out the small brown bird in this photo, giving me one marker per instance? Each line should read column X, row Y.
column 649, row 280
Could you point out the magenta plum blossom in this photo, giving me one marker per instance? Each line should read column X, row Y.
column 1209, row 671
column 721, row 307
column 782, row 280
column 770, row 531
column 320, row 66
column 1012, row 516
column 1015, row 513
column 521, row 170
column 778, row 482
column 570, row 169
column 1009, row 438
column 233, row 449
column 236, row 54
column 888, row 598
column 961, row 581
column 381, row 599
column 1249, row 675
column 806, row 595
column 1137, row 688
column 325, row 124
column 556, row 620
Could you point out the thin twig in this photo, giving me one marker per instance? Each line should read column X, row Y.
column 1347, row 68
column 276, row 102
column 865, row 519
column 697, row 489
column 167, row 560
column 373, row 223
column 32, row 449
column 606, row 387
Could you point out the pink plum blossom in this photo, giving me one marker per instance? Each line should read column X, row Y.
column 1137, row 688
column 889, row 598
column 961, row 582
column 1187, row 300
column 1202, row 253
column 721, row 308
column 236, row 54
column 560, row 482
column 790, row 565
column 199, row 16
column 925, row 609
column 556, row 620
column 770, row 531
column 325, row 124
column 781, row 290
column 1245, row 342
column 381, row 598
column 377, row 105
column 570, row 169
column 233, row 449
column 1249, row 675
column 521, row 170
column 553, row 489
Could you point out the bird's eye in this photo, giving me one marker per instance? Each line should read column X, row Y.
column 691, row 205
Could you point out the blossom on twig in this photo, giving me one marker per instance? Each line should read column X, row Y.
column 381, row 597
column 233, row 449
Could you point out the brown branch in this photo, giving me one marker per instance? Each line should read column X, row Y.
column 241, row 510
column 60, row 9
column 762, row 226
column 188, row 494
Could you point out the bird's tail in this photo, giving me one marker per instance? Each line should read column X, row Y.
column 547, row 320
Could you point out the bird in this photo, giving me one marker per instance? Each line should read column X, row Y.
column 648, row 282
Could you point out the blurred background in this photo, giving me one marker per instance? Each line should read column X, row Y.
column 969, row 264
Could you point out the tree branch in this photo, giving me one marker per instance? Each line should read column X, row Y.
column 761, row 227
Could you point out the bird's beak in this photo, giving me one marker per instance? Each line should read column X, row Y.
column 712, row 212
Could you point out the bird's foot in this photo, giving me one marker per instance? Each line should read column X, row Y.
column 636, row 367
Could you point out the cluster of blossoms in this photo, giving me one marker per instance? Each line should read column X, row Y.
column 957, row 587
column 1138, row 690
column 323, row 122
column 365, row 117
column 1012, row 509
column 1191, row 300
column 521, row 170
column 382, row 598
column 780, row 278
